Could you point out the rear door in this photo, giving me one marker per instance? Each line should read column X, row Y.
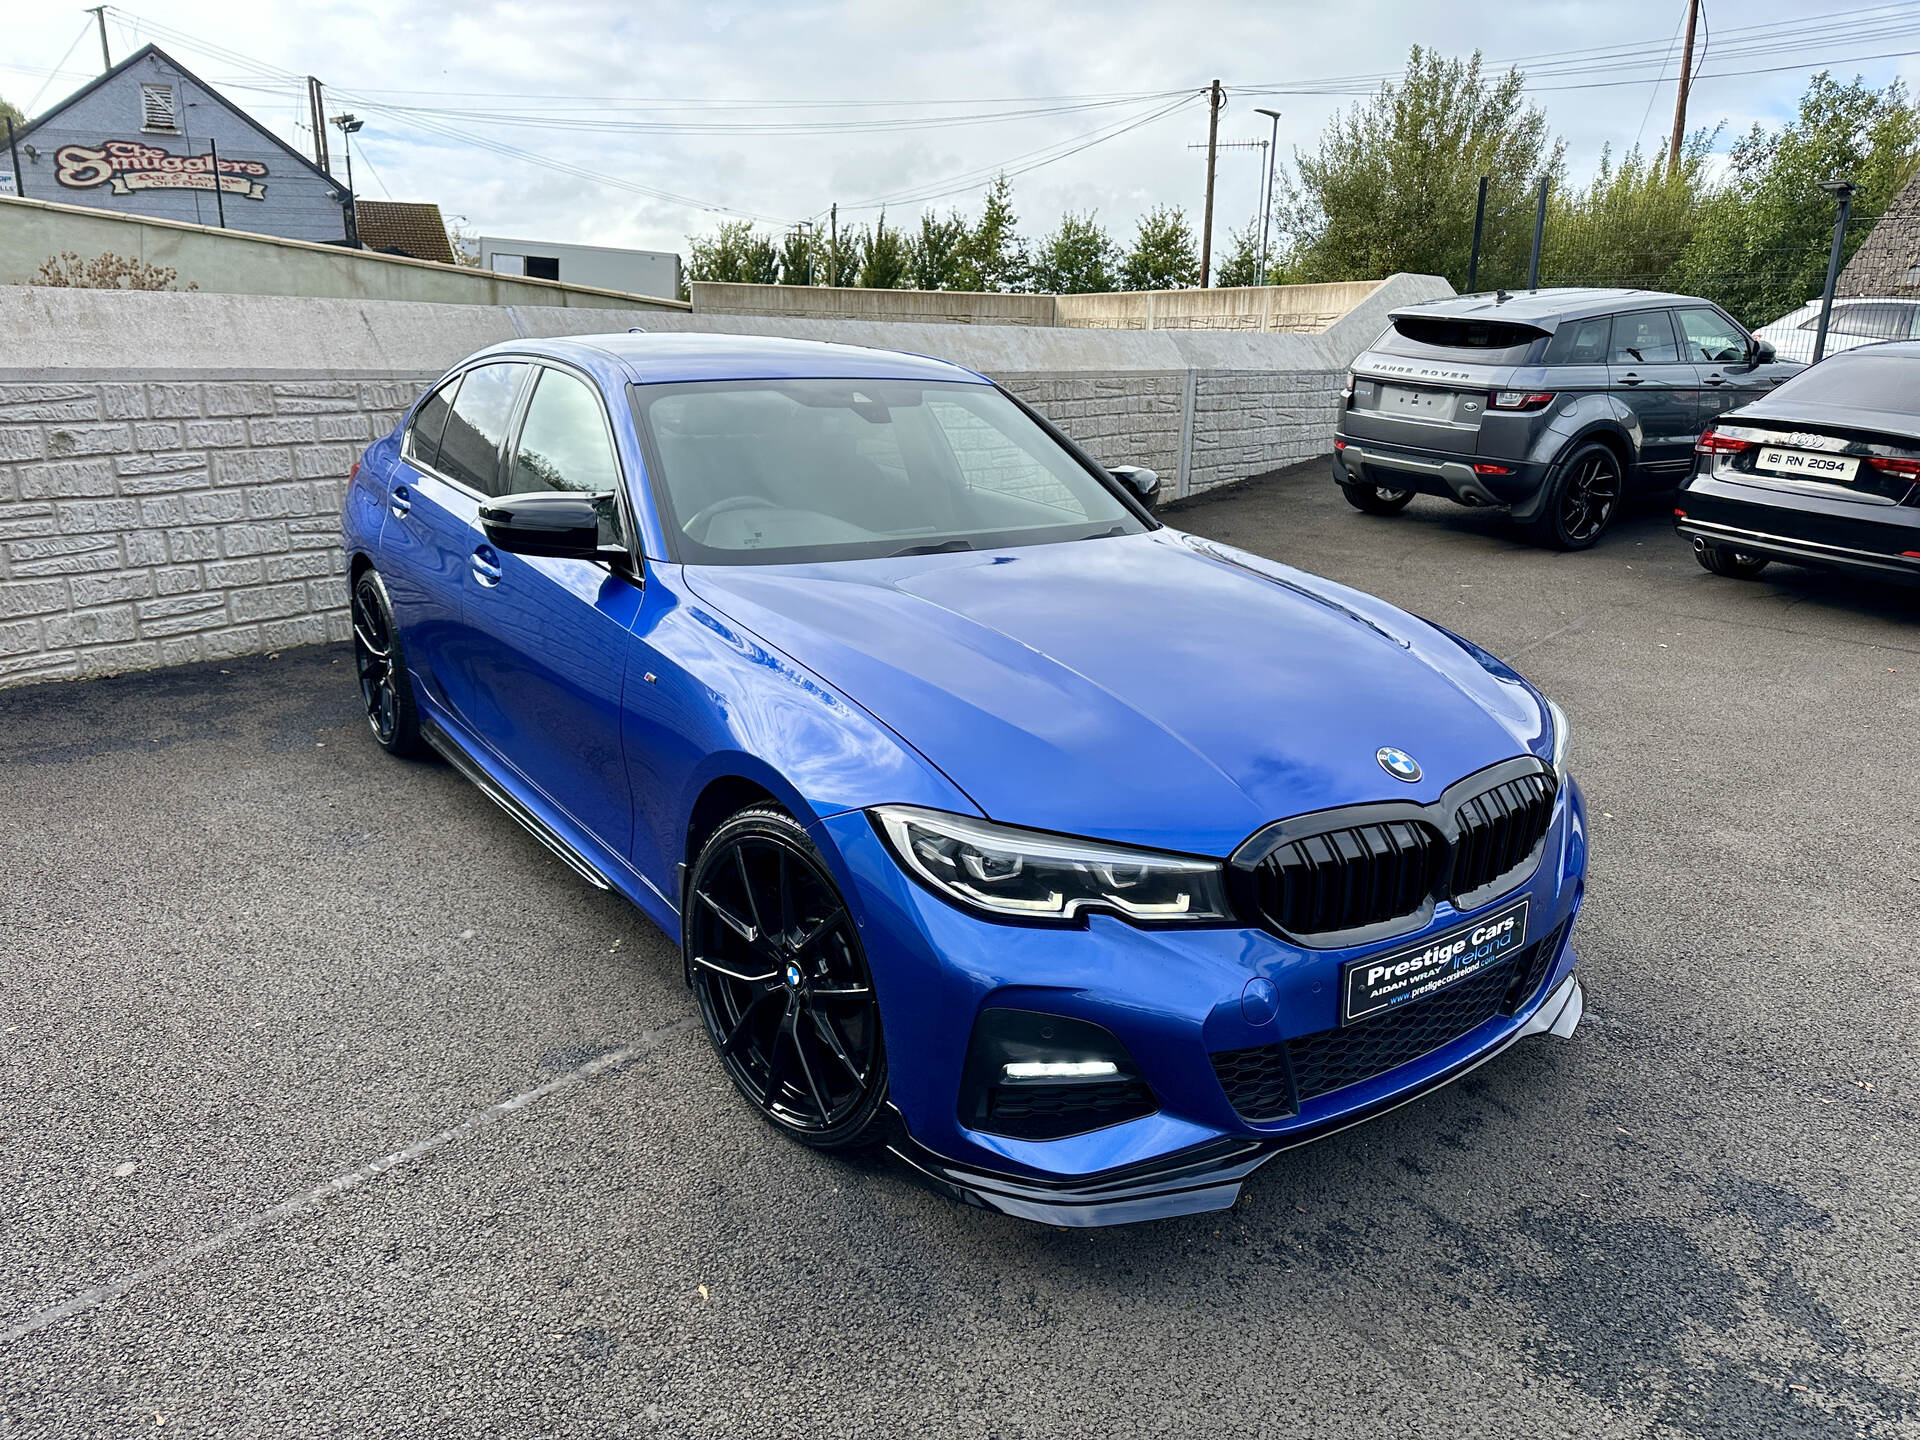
column 543, row 681
column 1652, row 377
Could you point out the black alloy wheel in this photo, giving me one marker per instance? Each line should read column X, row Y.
column 1376, row 499
column 1725, row 560
column 1583, row 496
column 782, row 982
column 382, row 668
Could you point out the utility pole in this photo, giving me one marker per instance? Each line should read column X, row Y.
column 833, row 245
column 1215, row 103
column 1680, row 96
column 99, row 13
column 317, row 119
column 1266, row 201
column 19, row 186
column 348, row 125
column 1842, row 193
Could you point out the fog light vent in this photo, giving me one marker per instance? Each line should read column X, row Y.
column 1034, row 1076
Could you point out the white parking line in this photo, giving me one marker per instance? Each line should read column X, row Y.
column 106, row 1294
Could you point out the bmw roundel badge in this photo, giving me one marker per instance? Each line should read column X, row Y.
column 1398, row 763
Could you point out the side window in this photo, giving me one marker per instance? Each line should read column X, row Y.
column 470, row 450
column 1580, row 342
column 1642, row 338
column 422, row 445
column 1711, row 337
column 564, row 443
column 1875, row 322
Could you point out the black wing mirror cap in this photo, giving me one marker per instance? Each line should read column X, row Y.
column 1764, row 353
column 559, row 524
column 1143, row 482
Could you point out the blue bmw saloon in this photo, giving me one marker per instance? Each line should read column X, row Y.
column 1084, row 863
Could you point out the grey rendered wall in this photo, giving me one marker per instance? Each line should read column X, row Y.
column 293, row 200
column 172, row 465
column 231, row 263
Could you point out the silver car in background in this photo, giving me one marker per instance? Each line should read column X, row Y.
column 1551, row 403
column 1855, row 321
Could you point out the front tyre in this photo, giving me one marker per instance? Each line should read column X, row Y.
column 1725, row 560
column 1376, row 499
column 782, row 982
column 382, row 667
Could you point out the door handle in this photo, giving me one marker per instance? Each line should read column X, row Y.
column 1716, row 379
column 400, row 502
column 486, row 566
column 1630, row 379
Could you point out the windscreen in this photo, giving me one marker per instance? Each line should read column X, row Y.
column 1476, row 342
column 753, row 472
column 1857, row 379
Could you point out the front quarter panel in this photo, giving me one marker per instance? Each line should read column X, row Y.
column 707, row 700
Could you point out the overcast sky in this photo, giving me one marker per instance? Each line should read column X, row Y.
column 727, row 65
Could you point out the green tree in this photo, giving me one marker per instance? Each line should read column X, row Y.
column 1164, row 255
column 884, row 258
column 799, row 256
column 1078, row 258
column 839, row 257
column 1392, row 185
column 993, row 256
column 1761, row 242
column 735, row 252
column 10, row 112
column 1631, row 223
column 934, row 262
column 1241, row 266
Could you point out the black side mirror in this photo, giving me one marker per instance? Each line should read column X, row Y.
column 1763, row 352
column 561, row 524
column 1143, row 482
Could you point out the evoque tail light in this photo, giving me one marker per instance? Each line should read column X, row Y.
column 1520, row 399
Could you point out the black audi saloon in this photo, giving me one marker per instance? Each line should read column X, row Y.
column 1824, row 471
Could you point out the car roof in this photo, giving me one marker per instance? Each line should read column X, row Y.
column 668, row 356
column 1898, row 349
column 1545, row 309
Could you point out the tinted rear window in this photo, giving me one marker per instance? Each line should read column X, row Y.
column 1858, row 379
column 1580, row 342
column 1480, row 342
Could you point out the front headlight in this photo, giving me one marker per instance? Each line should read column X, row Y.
column 1560, row 735
column 1011, row 874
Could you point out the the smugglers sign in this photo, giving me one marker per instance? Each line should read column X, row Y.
column 127, row 166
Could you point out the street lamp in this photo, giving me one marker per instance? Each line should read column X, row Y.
column 1842, row 192
column 349, row 124
column 1266, row 206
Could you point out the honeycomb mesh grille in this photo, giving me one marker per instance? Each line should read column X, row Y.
column 1271, row 1082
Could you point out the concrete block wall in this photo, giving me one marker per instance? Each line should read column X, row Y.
column 172, row 465
column 155, row 523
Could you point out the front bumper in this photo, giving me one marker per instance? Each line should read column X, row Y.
column 1452, row 477
column 1206, row 1177
column 1174, row 999
column 1800, row 525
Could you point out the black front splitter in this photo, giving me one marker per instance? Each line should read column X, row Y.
column 1189, row 1182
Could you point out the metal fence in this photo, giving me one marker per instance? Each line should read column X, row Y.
column 1827, row 279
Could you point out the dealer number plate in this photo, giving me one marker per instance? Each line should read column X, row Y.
column 1808, row 465
column 1399, row 977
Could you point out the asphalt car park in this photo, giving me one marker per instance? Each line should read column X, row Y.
column 336, row 1103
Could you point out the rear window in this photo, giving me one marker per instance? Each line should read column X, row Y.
column 1857, row 379
column 1480, row 342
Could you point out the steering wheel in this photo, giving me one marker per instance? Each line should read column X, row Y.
column 701, row 518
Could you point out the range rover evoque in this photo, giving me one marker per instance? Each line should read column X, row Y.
column 1552, row 403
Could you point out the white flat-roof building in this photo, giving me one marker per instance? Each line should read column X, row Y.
column 637, row 272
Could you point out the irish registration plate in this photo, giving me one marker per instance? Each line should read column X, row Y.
column 1399, row 977
column 1807, row 465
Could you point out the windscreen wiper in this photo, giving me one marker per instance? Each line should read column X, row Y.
column 938, row 547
